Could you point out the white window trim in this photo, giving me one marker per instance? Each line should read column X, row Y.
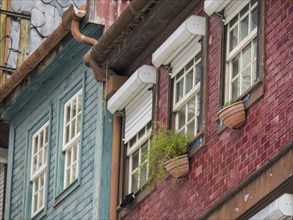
column 232, row 11
column 71, row 143
column 41, row 171
column 138, row 146
column 77, row 135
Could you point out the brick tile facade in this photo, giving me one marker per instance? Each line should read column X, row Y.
column 231, row 156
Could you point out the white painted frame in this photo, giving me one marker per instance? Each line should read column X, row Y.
column 72, row 145
column 250, row 39
column 193, row 93
column 39, row 169
column 133, row 149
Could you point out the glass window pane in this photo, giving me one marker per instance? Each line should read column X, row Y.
column 78, row 122
column 41, row 139
column 190, row 64
column 244, row 28
column 46, row 134
column 254, row 71
column 40, row 161
column 132, row 141
column 244, row 10
column 253, row 19
column 189, row 82
column 233, row 34
column 67, row 179
column 235, row 89
column 73, row 128
column 135, row 160
column 73, row 172
column 245, row 79
column 181, row 117
column 134, row 180
column 67, row 134
column 36, row 144
column 190, row 128
column 233, row 21
column 35, row 205
column 179, row 90
column 68, row 154
column 235, row 66
column 197, row 73
column 75, row 153
column 67, row 114
column 141, row 133
column 254, row 50
column 143, row 175
column 73, row 108
column 178, row 75
column 191, row 109
column 246, row 56
column 41, row 194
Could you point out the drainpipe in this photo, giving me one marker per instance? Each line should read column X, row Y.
column 38, row 55
column 117, row 32
column 116, row 139
column 77, row 16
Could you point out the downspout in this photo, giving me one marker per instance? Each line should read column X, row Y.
column 77, row 15
column 116, row 33
column 38, row 55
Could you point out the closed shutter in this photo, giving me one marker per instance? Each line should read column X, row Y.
column 138, row 112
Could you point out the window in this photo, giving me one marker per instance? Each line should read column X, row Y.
column 137, row 149
column 39, row 168
column 241, row 51
column 186, row 104
column 71, row 137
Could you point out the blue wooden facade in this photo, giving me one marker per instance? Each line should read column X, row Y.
column 41, row 99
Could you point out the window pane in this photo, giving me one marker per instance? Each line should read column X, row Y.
column 254, row 46
column 135, row 160
column 41, row 139
column 41, row 198
column 35, row 205
column 244, row 28
column 246, row 57
column 36, row 144
column 73, row 128
column 254, row 19
column 68, row 154
column 233, row 21
column 190, row 64
column 197, row 73
column 178, row 75
column 78, row 123
column 67, row 134
column 179, row 90
column 235, row 66
column 73, row 172
column 245, row 79
column 143, row 175
column 233, row 38
column 181, row 117
column 235, row 89
column 141, row 133
column 191, row 109
column 254, row 71
column 188, row 81
column 46, row 134
column 132, row 141
column 190, row 128
column 73, row 106
column 244, row 10
column 67, row 114
column 134, row 179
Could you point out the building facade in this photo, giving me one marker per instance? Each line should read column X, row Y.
column 55, row 130
column 206, row 54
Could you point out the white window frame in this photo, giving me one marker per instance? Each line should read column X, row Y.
column 71, row 146
column 250, row 39
column 137, row 145
column 38, row 173
column 193, row 93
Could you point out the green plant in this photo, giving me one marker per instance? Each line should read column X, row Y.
column 230, row 102
column 165, row 145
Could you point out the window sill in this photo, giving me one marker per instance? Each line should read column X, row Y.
column 140, row 195
column 255, row 92
column 196, row 144
column 66, row 192
column 39, row 215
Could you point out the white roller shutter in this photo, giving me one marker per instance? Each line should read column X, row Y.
column 138, row 112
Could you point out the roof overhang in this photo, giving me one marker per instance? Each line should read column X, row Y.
column 142, row 76
column 151, row 31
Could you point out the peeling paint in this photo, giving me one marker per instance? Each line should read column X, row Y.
column 246, row 197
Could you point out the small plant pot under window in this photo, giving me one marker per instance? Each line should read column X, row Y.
column 233, row 116
column 178, row 167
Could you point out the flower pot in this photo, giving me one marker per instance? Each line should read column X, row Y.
column 233, row 116
column 178, row 167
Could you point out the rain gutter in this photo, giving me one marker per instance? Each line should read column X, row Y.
column 70, row 22
column 116, row 33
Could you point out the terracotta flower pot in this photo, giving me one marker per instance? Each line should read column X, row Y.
column 178, row 167
column 233, row 116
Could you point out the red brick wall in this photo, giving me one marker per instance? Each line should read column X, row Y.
column 162, row 109
column 229, row 157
